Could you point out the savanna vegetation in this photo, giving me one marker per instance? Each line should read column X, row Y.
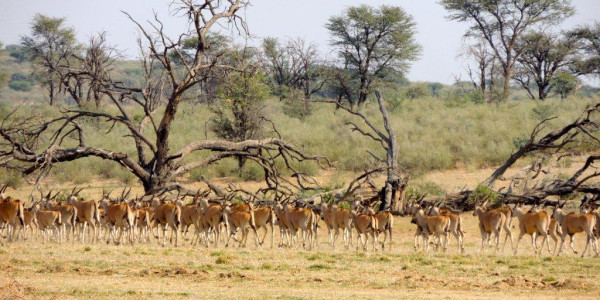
column 279, row 123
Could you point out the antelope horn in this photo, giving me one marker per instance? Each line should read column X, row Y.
column 77, row 192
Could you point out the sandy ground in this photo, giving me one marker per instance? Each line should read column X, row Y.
column 31, row 269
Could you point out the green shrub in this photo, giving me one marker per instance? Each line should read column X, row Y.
column 13, row 178
column 482, row 193
column 252, row 172
column 417, row 91
column 294, row 106
column 22, row 86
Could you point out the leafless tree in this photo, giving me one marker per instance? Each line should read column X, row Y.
column 484, row 74
column 33, row 144
column 550, row 148
column 395, row 178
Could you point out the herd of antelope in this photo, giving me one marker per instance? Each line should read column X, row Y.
column 121, row 220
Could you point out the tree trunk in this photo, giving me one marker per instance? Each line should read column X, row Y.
column 506, row 86
column 541, row 92
column 51, row 88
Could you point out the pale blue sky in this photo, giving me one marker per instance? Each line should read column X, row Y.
column 441, row 39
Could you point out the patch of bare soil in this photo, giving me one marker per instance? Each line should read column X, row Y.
column 521, row 281
column 174, row 272
column 14, row 290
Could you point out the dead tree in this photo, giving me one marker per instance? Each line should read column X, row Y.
column 483, row 75
column 552, row 147
column 33, row 144
column 395, row 182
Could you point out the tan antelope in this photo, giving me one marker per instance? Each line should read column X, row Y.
column 438, row 226
column 455, row 224
column 336, row 218
column 410, row 209
column 285, row 238
column 167, row 215
column 343, row 220
column 193, row 215
column 30, row 223
column 143, row 218
column 48, row 220
column 300, row 219
column 573, row 223
column 190, row 217
column 491, row 221
column 68, row 214
column 385, row 223
column 533, row 222
column 554, row 231
column 328, row 216
column 265, row 215
column 88, row 214
column 241, row 216
column 508, row 214
column 119, row 215
column 364, row 224
column 214, row 216
column 9, row 210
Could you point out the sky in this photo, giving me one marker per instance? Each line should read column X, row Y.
column 440, row 39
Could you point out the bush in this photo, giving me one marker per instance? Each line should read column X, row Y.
column 252, row 172
column 482, row 193
column 296, row 108
column 417, row 91
column 23, row 86
column 420, row 189
column 13, row 178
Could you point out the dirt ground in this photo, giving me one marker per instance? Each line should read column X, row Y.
column 34, row 270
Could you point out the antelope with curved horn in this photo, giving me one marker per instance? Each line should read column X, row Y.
column 533, row 222
column 455, row 223
column 119, row 215
column 265, row 215
column 385, row 223
column 192, row 216
column 214, row 216
column 240, row 217
column 167, row 215
column 438, row 226
column 48, row 220
column 573, row 223
column 300, row 219
column 365, row 224
column 88, row 214
column 285, row 238
column 327, row 215
column 68, row 214
column 491, row 221
column 343, row 220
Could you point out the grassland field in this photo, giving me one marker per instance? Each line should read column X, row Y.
column 33, row 270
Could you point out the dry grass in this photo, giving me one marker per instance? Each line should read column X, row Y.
column 32, row 270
